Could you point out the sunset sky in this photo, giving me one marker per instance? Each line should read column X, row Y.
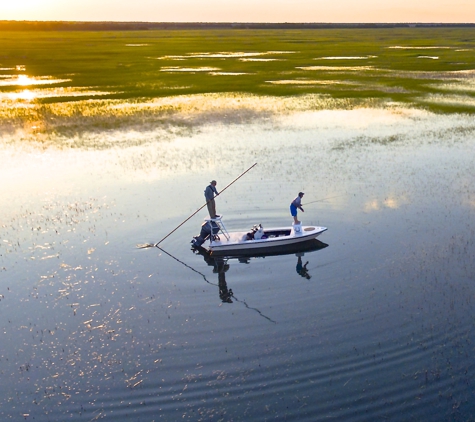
column 241, row 10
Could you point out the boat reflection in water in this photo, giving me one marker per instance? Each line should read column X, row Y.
column 220, row 263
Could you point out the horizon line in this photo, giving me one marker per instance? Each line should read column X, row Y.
column 239, row 22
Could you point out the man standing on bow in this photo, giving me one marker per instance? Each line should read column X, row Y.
column 210, row 194
column 296, row 204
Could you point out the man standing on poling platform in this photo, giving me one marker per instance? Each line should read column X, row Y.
column 210, row 194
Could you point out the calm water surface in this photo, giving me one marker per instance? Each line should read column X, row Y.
column 94, row 328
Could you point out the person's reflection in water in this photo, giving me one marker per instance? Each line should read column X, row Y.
column 302, row 269
column 221, row 267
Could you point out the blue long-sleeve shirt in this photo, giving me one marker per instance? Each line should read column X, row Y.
column 210, row 192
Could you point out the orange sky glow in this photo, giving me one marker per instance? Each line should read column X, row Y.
column 423, row 11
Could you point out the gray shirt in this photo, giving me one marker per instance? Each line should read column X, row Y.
column 297, row 202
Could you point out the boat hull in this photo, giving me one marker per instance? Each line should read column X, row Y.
column 275, row 239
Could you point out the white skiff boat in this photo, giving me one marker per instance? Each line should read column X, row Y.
column 257, row 239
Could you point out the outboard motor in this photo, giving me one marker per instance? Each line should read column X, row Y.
column 208, row 229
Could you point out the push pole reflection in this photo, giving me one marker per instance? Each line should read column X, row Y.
column 221, row 266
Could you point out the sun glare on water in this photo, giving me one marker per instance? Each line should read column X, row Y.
column 26, row 94
column 25, row 80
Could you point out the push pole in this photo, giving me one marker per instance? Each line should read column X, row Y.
column 200, row 208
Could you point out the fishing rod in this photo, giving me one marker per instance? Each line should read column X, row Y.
column 323, row 199
column 200, row 208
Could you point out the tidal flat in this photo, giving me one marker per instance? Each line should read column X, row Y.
column 107, row 141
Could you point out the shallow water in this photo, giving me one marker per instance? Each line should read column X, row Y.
column 96, row 328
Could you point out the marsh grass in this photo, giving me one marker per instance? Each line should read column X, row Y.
column 420, row 67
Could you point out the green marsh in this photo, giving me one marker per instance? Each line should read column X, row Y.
column 67, row 82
